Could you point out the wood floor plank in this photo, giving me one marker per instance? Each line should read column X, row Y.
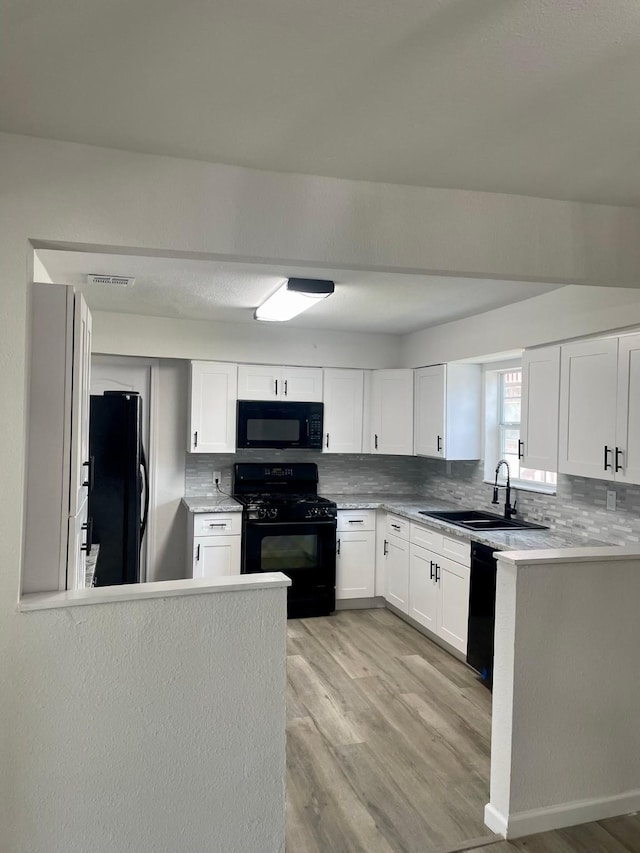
column 626, row 830
column 333, row 812
column 310, row 692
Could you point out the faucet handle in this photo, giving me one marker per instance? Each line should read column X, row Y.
column 495, row 495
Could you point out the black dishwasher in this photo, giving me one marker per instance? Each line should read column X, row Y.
column 482, row 611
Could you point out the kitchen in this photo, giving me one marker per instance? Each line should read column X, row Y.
column 215, row 460
column 569, row 312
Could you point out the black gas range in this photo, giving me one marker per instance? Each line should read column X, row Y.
column 287, row 527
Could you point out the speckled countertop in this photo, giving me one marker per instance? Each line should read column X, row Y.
column 409, row 506
column 214, row 503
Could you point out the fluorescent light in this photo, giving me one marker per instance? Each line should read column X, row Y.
column 294, row 297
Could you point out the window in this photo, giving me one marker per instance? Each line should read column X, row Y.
column 502, row 424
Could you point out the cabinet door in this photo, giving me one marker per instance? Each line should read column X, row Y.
column 356, row 564
column 212, row 425
column 453, row 580
column 80, row 405
column 343, row 400
column 588, row 375
column 216, row 556
column 424, row 594
column 392, row 412
column 540, row 408
column 628, row 414
column 430, row 410
column 301, row 384
column 77, row 548
column 397, row 573
column 259, row 382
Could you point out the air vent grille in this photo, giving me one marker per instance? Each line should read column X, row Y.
column 111, row 280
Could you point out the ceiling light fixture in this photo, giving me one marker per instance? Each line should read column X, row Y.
column 294, row 297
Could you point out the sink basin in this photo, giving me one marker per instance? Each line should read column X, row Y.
column 475, row 519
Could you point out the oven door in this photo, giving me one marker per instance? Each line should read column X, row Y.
column 305, row 552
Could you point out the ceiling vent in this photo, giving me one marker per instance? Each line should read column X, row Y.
column 111, row 280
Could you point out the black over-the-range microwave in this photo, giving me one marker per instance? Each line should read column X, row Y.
column 270, row 423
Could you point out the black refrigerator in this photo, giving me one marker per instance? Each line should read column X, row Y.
column 119, row 498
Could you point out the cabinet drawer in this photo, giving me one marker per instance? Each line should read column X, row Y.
column 426, row 537
column 456, row 549
column 217, row 524
column 356, row 519
column 397, row 526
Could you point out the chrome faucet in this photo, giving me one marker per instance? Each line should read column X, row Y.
column 508, row 509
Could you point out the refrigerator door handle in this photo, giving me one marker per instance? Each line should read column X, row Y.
column 145, row 479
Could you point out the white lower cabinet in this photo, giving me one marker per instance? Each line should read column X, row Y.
column 356, row 554
column 213, row 546
column 396, row 551
column 439, row 585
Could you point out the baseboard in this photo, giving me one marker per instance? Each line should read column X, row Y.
column 359, row 603
column 555, row 817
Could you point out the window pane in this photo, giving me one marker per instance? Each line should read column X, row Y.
column 510, row 438
column 511, row 411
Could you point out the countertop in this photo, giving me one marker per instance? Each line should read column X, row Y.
column 409, row 506
column 214, row 503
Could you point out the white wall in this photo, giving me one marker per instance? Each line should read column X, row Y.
column 261, row 343
column 565, row 744
column 569, row 312
column 145, row 726
column 61, row 193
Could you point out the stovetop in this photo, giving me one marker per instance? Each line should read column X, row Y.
column 281, row 493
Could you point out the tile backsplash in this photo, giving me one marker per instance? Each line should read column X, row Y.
column 337, row 473
column 579, row 505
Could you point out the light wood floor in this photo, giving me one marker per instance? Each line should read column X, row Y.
column 388, row 747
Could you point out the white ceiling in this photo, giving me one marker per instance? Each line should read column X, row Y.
column 539, row 97
column 230, row 292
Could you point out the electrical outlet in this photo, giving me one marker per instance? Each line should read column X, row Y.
column 217, row 479
column 611, row 500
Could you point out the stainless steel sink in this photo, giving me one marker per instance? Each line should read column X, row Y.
column 475, row 519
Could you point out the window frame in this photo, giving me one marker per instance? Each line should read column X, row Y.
column 492, row 401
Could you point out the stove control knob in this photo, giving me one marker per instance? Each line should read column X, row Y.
column 272, row 513
column 262, row 513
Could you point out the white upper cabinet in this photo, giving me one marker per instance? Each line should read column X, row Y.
column 540, row 408
column 392, row 412
column 212, row 410
column 448, row 405
column 343, row 407
column 588, row 390
column 626, row 461
column 268, row 382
